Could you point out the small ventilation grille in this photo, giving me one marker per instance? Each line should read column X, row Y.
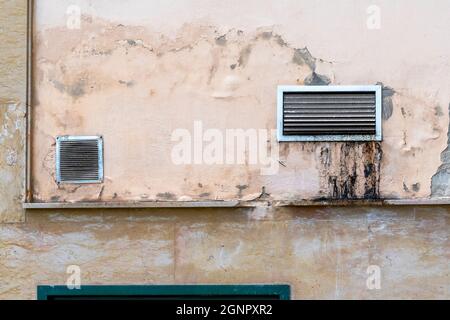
column 79, row 159
column 330, row 113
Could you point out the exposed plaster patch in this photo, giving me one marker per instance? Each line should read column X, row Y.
column 388, row 106
column 48, row 165
column 440, row 182
column 315, row 79
column 303, row 56
column 11, row 158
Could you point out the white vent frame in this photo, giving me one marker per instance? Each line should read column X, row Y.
column 99, row 140
column 338, row 137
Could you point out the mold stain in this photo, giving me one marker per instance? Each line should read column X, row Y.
column 350, row 170
column 371, row 155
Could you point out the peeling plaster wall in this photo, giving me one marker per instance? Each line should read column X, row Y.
column 321, row 252
column 136, row 73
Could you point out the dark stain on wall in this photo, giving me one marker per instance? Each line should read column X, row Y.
column 416, row 187
column 267, row 35
column 131, row 42
column 438, row 111
column 167, row 196
column 405, row 187
column 76, row 89
column 241, row 188
column 244, row 56
column 129, row 84
column 388, row 106
column 371, row 157
column 222, row 40
column 315, row 79
column 350, row 170
column 204, row 195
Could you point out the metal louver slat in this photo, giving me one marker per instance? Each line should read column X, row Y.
column 79, row 159
column 329, row 113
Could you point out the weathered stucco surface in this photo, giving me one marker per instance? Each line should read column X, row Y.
column 13, row 30
column 321, row 253
column 110, row 77
column 135, row 78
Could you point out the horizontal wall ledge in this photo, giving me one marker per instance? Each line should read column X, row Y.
column 364, row 202
column 418, row 202
column 130, row 204
column 235, row 203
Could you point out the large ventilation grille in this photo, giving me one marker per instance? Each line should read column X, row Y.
column 327, row 114
column 79, row 159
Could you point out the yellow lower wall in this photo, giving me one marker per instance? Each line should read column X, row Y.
column 322, row 253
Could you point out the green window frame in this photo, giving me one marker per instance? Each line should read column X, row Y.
column 166, row 292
